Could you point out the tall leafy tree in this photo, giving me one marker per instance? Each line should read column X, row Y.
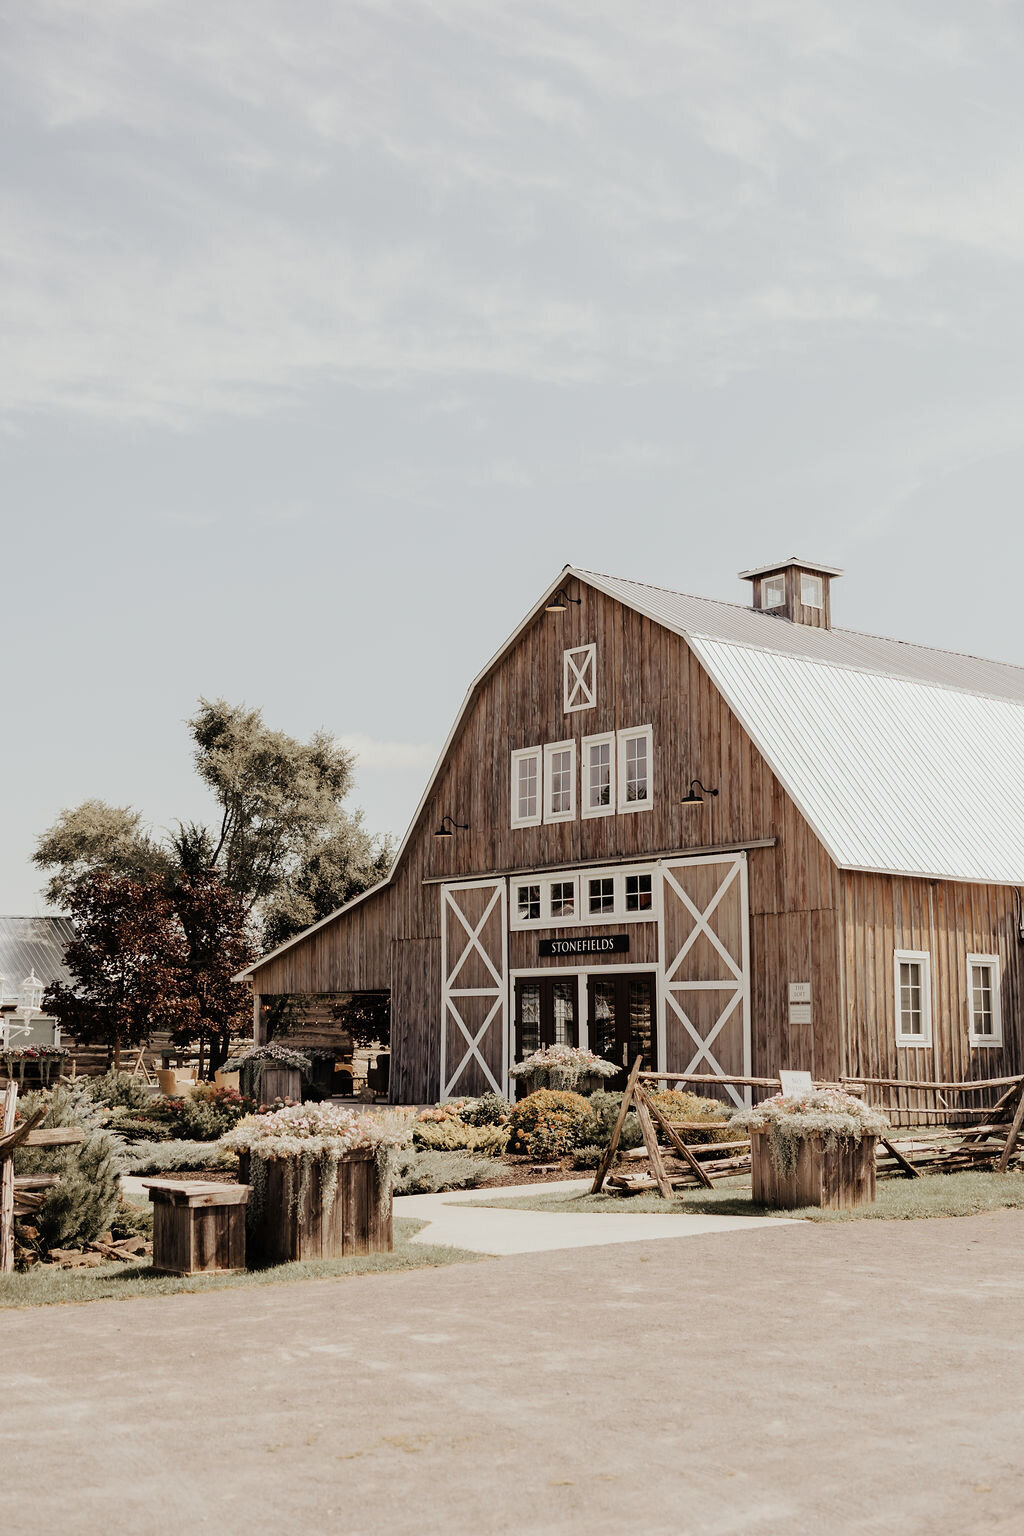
column 93, row 838
column 219, row 945
column 129, row 960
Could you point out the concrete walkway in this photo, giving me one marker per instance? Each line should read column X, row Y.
column 456, row 1222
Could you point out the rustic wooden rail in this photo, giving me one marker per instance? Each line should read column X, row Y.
column 20, row 1194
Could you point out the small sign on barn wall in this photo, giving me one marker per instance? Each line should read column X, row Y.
column 609, row 944
column 799, row 1002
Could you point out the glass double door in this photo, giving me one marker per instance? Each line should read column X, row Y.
column 620, row 1016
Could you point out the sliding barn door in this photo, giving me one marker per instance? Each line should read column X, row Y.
column 706, row 957
column 474, row 989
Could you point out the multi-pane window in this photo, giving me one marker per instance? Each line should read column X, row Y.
column 528, row 903
column 599, row 775
column 913, row 997
column 810, row 590
column 639, row 896
column 773, row 592
column 602, row 895
column 986, row 1015
column 526, row 787
column 635, row 769
column 563, row 898
column 579, row 678
column 560, row 781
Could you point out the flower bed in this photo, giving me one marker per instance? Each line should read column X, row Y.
column 48, row 1058
column 563, row 1067
column 321, row 1178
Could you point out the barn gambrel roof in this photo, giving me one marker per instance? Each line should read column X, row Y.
column 904, row 759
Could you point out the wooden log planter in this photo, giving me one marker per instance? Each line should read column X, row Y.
column 837, row 1177
column 198, row 1227
column 291, row 1219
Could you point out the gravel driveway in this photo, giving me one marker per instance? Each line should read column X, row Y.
column 827, row 1379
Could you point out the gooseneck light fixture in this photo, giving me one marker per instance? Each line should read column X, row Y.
column 448, row 827
column 559, row 601
column 696, row 796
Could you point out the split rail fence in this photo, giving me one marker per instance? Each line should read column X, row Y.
column 676, row 1163
column 23, row 1193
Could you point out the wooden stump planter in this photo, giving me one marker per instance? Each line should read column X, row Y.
column 837, row 1177
column 279, row 1083
column 198, row 1227
column 290, row 1218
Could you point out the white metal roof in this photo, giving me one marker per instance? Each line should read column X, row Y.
column 782, row 565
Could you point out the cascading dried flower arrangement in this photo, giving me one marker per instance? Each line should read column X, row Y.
column 562, row 1066
column 48, row 1058
column 318, row 1135
column 250, row 1063
column 829, row 1113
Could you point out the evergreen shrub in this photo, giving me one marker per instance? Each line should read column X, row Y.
column 81, row 1206
column 454, row 1136
column 119, row 1090
column 427, row 1173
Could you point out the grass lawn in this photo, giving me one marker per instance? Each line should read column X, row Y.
column 953, row 1194
column 46, row 1285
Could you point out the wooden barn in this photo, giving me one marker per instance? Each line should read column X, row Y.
column 728, row 837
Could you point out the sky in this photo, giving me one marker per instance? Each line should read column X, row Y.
column 329, row 333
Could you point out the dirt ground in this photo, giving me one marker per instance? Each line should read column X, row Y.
column 827, row 1380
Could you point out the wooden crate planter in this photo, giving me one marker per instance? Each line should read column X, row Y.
column 838, row 1177
column 198, row 1227
column 359, row 1220
column 279, row 1083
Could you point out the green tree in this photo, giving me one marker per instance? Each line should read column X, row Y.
column 219, row 946
column 94, row 838
column 129, row 961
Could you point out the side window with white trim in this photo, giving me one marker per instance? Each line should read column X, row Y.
column 983, row 1000
column 599, row 775
column 912, row 976
column 526, row 787
column 579, row 678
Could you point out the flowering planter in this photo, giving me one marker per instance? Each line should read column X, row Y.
column 838, row 1177
column 291, row 1219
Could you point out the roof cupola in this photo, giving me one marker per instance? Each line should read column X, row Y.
column 794, row 589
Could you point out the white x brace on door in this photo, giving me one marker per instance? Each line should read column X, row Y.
column 705, row 951
column 474, row 988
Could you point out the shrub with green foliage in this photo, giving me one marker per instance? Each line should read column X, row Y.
column 604, row 1108
column 549, row 1123
column 427, row 1173
column 488, row 1109
column 134, row 1128
column 586, row 1157
column 454, row 1136
column 694, row 1106
column 81, row 1206
column 173, row 1156
column 119, row 1090
column 208, row 1112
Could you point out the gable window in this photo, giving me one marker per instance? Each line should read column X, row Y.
column 599, row 775
column 563, row 898
column 773, row 592
column 579, row 678
column 913, row 997
column 602, row 895
column 526, row 787
column 635, row 767
column 528, row 903
column 560, row 781
column 638, row 893
column 810, row 590
column 983, row 998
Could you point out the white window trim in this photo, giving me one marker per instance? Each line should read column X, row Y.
column 984, row 1042
column 807, row 576
column 517, row 758
column 625, row 806
column 607, row 739
column 582, row 877
column 550, row 748
column 767, row 581
column 924, row 959
column 574, row 677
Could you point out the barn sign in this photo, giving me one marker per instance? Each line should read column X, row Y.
column 610, row 944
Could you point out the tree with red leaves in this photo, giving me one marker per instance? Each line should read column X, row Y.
column 129, row 961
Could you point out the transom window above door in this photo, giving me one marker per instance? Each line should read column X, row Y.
column 567, row 898
column 579, row 678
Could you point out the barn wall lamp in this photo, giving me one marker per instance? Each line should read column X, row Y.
column 559, row 601
column 448, row 828
column 696, row 796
